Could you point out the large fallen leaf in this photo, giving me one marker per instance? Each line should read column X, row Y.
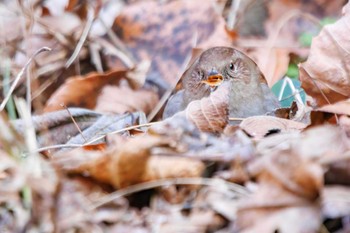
column 85, row 92
column 130, row 163
column 325, row 74
column 111, row 100
column 82, row 91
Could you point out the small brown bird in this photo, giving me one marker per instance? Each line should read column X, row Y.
column 249, row 92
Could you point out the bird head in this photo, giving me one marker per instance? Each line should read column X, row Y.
column 220, row 64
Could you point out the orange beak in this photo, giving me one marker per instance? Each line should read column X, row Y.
column 214, row 80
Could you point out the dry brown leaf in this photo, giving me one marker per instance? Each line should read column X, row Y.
column 288, row 186
column 341, row 108
column 259, row 126
column 323, row 142
column 123, row 99
column 82, row 91
column 210, row 114
column 335, row 113
column 130, row 163
column 162, row 167
column 326, row 72
column 291, row 171
column 166, row 32
column 134, row 164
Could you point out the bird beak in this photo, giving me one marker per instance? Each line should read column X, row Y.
column 214, row 79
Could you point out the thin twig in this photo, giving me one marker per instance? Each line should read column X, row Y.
column 292, row 95
column 59, row 146
column 121, row 130
column 240, row 190
column 74, row 122
column 90, row 19
column 20, row 74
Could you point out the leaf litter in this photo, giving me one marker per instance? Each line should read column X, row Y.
column 104, row 168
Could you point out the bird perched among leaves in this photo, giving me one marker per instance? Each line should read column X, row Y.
column 249, row 92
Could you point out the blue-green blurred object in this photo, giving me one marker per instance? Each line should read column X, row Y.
column 287, row 97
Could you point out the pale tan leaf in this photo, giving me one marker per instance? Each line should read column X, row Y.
column 341, row 108
column 325, row 74
column 289, row 185
column 260, row 126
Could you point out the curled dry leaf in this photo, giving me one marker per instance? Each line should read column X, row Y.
column 134, row 164
column 210, row 114
column 82, row 91
column 325, row 74
column 260, row 126
column 131, row 163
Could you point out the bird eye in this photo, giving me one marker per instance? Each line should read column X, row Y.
column 200, row 74
column 231, row 66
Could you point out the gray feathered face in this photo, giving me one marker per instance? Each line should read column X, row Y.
column 220, row 64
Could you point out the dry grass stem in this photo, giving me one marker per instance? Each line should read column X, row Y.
column 20, row 74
